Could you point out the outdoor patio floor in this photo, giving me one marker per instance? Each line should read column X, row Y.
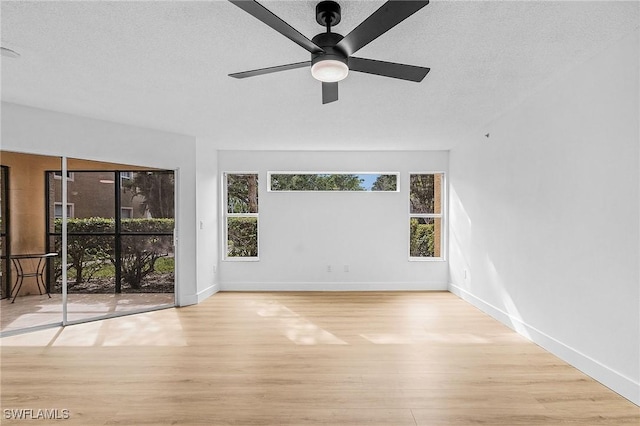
column 39, row 310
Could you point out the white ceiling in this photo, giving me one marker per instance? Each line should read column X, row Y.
column 164, row 65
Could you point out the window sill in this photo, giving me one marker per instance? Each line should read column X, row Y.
column 241, row 259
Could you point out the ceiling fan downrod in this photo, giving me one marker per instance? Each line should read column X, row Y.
column 328, row 14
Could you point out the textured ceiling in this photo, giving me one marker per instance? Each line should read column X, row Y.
column 164, row 65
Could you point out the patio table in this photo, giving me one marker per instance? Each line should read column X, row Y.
column 25, row 269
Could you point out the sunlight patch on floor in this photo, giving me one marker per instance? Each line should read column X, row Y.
column 296, row 328
column 161, row 328
column 33, row 338
column 29, row 320
column 40, row 310
column 146, row 330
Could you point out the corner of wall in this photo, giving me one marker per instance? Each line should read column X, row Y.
column 619, row 383
column 194, row 299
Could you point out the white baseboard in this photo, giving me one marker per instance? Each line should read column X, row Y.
column 193, row 299
column 333, row 286
column 208, row 292
column 617, row 382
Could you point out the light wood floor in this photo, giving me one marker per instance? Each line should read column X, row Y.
column 302, row 359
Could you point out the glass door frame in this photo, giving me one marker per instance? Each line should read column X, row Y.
column 5, row 232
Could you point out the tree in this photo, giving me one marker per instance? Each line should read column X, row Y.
column 316, row 182
column 385, row 183
column 421, row 241
column 157, row 190
column 242, row 193
column 422, row 194
column 425, row 200
column 242, row 228
column 242, row 237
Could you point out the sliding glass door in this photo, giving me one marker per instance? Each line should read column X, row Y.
column 118, row 247
column 120, row 256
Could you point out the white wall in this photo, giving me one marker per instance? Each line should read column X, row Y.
column 301, row 233
column 38, row 131
column 207, row 194
column 545, row 218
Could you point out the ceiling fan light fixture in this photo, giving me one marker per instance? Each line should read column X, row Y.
column 329, row 70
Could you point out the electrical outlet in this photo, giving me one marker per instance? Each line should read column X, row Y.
column 328, row 268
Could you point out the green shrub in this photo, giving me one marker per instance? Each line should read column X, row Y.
column 86, row 254
column 93, row 253
column 242, row 238
column 421, row 242
column 162, row 225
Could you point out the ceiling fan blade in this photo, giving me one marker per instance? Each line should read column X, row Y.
column 379, row 22
column 265, row 15
column 329, row 92
column 388, row 69
column 269, row 70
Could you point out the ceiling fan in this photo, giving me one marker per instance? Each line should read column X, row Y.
column 331, row 53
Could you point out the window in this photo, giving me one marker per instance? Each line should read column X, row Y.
column 312, row 181
column 125, row 177
column 57, row 210
column 425, row 215
column 241, row 215
column 126, row 212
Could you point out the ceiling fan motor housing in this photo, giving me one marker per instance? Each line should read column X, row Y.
column 328, row 13
column 328, row 41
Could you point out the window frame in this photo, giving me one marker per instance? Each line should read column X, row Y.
column 70, row 209
column 442, row 216
column 129, row 209
column 227, row 215
column 313, row 172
